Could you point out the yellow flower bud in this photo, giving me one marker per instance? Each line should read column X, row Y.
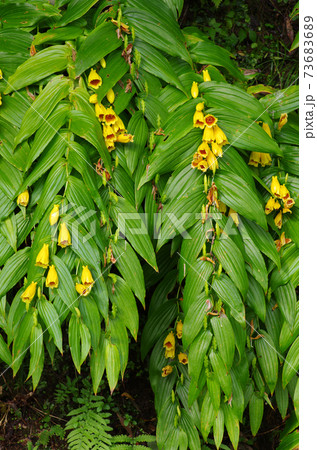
column 54, row 215
column 103, row 63
column 28, row 294
column 1, row 76
column 125, row 138
column 275, row 187
column 42, row 258
column 200, row 106
column 51, row 278
column 194, row 90
column 217, row 149
column 119, row 125
column 64, row 238
column 94, row 80
column 86, row 277
column 206, row 75
column 179, row 329
column 23, row 198
column 93, row 99
column 111, row 96
column 82, row 289
column 167, row 370
column 183, row 358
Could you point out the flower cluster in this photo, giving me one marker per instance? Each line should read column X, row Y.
column 280, row 194
column 212, row 141
column 113, row 128
column 43, row 259
column 170, row 344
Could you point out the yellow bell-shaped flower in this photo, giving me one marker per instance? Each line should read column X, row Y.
column 198, row 120
column 183, row 358
column 93, row 99
column 212, row 162
column 110, row 116
column 54, row 215
column 100, row 112
column 125, row 138
column 94, row 80
column 203, row 150
column 82, row 289
column 51, row 278
column 210, row 120
column 169, row 345
column 28, row 294
column 282, row 121
column 279, row 220
column 208, row 135
column 42, row 258
column 23, row 198
column 167, row 370
column 86, row 277
column 217, row 149
column 220, row 136
column 64, row 238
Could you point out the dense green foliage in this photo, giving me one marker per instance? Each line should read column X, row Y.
column 105, row 109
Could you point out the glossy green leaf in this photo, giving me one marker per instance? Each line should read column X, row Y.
column 50, row 317
column 14, row 269
column 229, row 294
column 286, row 300
column 112, row 365
column 224, row 335
column 291, row 363
column 267, row 358
column 256, row 409
column 75, row 9
column 41, row 65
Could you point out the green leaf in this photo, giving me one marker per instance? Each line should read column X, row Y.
column 21, row 341
column 196, row 279
column 57, row 34
column 197, row 351
column 225, row 338
column 156, row 323
column 157, row 27
column 194, row 319
column 255, row 263
column 87, row 127
column 288, row 335
column 131, row 225
column 286, row 300
column 281, row 395
column 66, row 286
column 98, row 363
column 154, row 62
column 119, row 337
column 74, row 340
column 112, row 365
column 234, row 98
column 75, row 10
column 291, row 363
column 208, row 415
column 267, row 358
column 289, row 269
column 91, row 318
column 51, row 319
column 55, row 90
column 232, row 261
column 232, row 425
column 41, row 65
column 48, row 133
column 5, row 354
column 229, row 294
column 283, row 101
column 208, row 53
column 121, row 296
column 234, row 192
column 115, row 69
column 26, row 15
column 218, row 428
column 261, row 238
column 223, row 376
column 255, row 298
column 137, row 126
column 256, row 409
column 15, row 40
column 14, row 269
